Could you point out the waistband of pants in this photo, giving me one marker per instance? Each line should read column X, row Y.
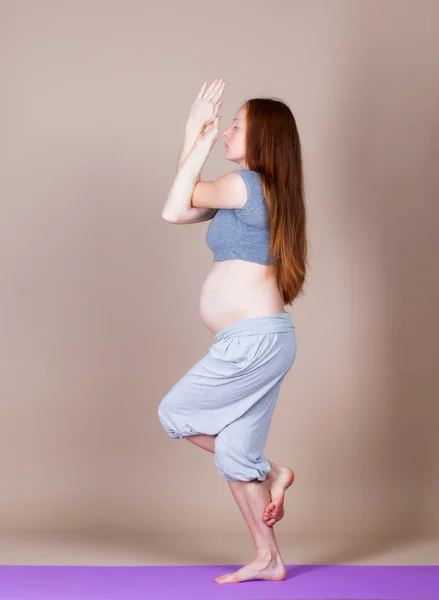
column 280, row 322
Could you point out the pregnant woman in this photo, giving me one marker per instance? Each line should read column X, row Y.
column 224, row 404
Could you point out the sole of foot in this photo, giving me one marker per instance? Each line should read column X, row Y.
column 278, row 481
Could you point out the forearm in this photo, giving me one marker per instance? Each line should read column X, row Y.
column 179, row 198
column 192, row 132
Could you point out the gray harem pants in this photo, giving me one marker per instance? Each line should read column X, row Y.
column 232, row 391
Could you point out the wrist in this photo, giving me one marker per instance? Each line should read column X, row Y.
column 193, row 129
column 202, row 146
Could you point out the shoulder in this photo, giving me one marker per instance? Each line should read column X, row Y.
column 228, row 191
column 252, row 182
column 250, row 177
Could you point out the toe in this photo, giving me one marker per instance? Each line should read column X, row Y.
column 227, row 578
column 277, row 509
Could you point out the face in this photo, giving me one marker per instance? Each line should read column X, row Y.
column 234, row 139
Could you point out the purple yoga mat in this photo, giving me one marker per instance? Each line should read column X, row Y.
column 304, row 582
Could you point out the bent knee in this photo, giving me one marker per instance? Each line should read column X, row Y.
column 175, row 424
column 168, row 421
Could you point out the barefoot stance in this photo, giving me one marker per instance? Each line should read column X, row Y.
column 279, row 480
column 269, row 570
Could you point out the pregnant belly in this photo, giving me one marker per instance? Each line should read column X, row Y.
column 237, row 289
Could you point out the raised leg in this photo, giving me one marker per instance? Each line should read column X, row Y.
column 207, row 442
column 278, row 479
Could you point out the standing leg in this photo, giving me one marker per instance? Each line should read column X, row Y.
column 252, row 497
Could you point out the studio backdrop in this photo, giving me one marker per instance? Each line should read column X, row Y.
column 99, row 295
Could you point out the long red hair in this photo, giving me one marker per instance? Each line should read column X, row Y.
column 273, row 149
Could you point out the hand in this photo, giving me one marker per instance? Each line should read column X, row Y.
column 207, row 104
column 209, row 135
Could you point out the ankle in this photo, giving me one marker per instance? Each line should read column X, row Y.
column 273, row 470
column 267, row 555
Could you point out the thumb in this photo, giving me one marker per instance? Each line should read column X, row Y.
column 216, row 120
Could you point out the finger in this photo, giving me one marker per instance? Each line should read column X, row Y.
column 217, row 107
column 219, row 92
column 202, row 90
column 211, row 87
column 213, row 90
column 213, row 123
column 216, row 123
column 215, row 114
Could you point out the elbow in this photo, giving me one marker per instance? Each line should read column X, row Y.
column 168, row 218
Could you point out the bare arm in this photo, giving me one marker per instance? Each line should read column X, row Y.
column 203, row 117
column 192, row 132
column 178, row 207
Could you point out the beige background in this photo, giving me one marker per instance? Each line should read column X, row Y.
column 99, row 296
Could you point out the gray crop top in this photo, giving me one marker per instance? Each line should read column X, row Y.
column 242, row 232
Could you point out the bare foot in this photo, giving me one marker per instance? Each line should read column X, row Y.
column 269, row 570
column 279, row 480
